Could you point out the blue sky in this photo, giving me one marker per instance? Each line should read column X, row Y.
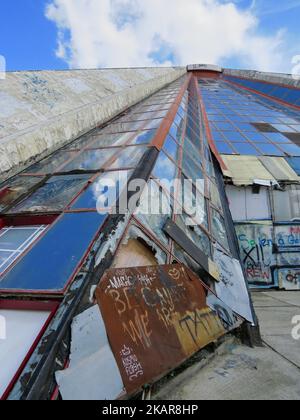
column 262, row 34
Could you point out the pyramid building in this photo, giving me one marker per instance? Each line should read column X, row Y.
column 138, row 207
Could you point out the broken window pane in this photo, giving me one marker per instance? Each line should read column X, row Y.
column 51, row 164
column 219, row 229
column 14, row 189
column 100, row 188
column 195, row 234
column 154, row 209
column 55, row 195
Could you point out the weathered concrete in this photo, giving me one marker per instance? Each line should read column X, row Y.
column 241, row 373
column 41, row 111
column 275, row 311
column 277, row 78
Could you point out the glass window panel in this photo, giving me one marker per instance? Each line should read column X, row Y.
column 13, row 238
column 90, row 160
column 234, row 136
column 290, row 149
column 269, row 150
column 14, row 241
column 143, row 137
column 283, row 128
column 81, row 143
column 6, row 259
column 55, row 195
column 278, row 138
column 256, row 137
column 171, row 148
column 154, row 210
column 49, row 265
column 12, row 190
column 176, row 132
column 191, row 149
column 224, row 126
column 194, row 233
column 194, row 202
column 164, row 168
column 246, row 149
column 89, row 198
column 52, row 163
column 224, row 148
column 246, row 127
column 129, row 157
column 218, row 136
column 218, row 229
column 124, row 127
column 108, row 140
column 191, row 169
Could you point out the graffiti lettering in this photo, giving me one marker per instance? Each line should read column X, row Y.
column 137, row 329
column 196, row 321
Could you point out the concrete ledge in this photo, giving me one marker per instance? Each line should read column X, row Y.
column 19, row 150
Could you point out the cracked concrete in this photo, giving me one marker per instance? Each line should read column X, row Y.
column 242, row 373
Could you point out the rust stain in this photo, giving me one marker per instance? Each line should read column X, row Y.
column 156, row 318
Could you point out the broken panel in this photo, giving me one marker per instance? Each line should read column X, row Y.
column 219, row 229
column 14, row 189
column 161, row 314
column 54, row 195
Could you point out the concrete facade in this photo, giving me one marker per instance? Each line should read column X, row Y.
column 42, row 111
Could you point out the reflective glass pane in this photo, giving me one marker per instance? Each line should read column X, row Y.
column 129, row 157
column 50, row 263
column 164, row 168
column 143, row 137
column 224, row 148
column 171, row 148
column 269, row 150
column 154, row 210
column 108, row 140
column 12, row 190
column 246, row 149
column 194, row 233
column 90, row 160
column 55, row 195
column 109, row 185
column 51, row 164
column 218, row 229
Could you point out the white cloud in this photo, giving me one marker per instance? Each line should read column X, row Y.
column 126, row 33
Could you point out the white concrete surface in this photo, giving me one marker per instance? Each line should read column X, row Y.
column 41, row 111
column 238, row 372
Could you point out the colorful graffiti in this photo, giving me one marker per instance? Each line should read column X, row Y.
column 256, row 248
column 287, row 238
column 157, row 317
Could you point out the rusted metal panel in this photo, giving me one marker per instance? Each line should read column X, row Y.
column 157, row 317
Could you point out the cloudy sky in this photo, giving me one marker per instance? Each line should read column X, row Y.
column 56, row 34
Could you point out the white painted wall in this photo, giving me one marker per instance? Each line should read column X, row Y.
column 22, row 329
column 244, row 205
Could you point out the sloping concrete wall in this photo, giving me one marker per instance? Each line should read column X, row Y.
column 278, row 78
column 41, row 111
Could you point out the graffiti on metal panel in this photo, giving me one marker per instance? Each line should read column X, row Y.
column 288, row 237
column 289, row 278
column 159, row 314
column 256, row 248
